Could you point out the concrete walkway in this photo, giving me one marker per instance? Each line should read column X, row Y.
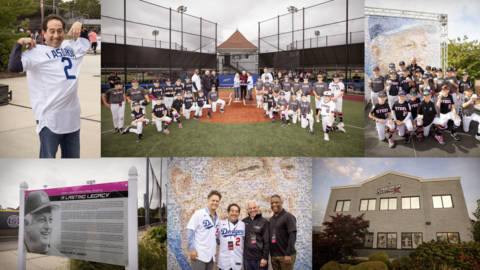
column 17, row 125
column 34, row 261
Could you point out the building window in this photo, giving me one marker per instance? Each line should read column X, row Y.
column 388, row 204
column 342, row 206
column 367, row 240
column 367, row 205
column 411, row 203
column 449, row 237
column 387, row 240
column 411, row 240
column 443, row 201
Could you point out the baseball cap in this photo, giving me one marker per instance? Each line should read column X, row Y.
column 467, row 88
column 428, row 67
column 286, row 76
column 445, row 87
column 327, row 93
column 418, row 70
column 275, row 78
column 117, row 82
column 401, row 63
column 439, row 69
column 405, row 68
column 409, row 68
column 189, row 92
column 376, row 68
column 336, row 75
column 382, row 94
column 304, row 95
column 434, row 68
column 37, row 201
column 401, row 93
column 270, row 92
column 393, row 71
column 135, row 103
column 200, row 91
column 297, row 77
column 282, row 94
column 464, row 73
column 168, row 80
column 425, row 76
column 413, row 92
column 426, row 92
column 449, row 69
column 186, row 77
column 160, row 98
column 134, row 80
column 319, row 76
column 156, row 81
column 391, row 65
column 454, row 69
column 179, row 94
column 267, row 78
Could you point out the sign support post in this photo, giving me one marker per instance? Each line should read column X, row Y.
column 22, row 253
column 132, row 219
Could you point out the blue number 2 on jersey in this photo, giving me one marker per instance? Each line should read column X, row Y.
column 67, row 67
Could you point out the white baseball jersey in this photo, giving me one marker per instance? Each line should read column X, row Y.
column 336, row 88
column 227, row 231
column 205, row 235
column 327, row 108
column 52, row 78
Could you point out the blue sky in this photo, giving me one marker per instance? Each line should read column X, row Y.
column 463, row 16
column 348, row 171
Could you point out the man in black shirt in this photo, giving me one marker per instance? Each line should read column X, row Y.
column 215, row 80
column 426, row 116
column 207, row 83
column 356, row 78
column 257, row 239
column 283, row 235
column 414, row 66
column 111, row 80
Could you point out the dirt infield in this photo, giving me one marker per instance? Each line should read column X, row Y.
column 238, row 113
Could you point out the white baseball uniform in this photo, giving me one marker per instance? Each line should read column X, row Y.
column 52, row 79
column 228, row 232
column 326, row 110
column 336, row 89
column 118, row 112
column 205, row 235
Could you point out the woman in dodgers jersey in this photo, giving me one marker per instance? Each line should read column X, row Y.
column 231, row 236
column 327, row 109
column 52, row 78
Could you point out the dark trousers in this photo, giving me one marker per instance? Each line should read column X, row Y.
column 253, row 265
column 205, row 93
column 69, row 144
column 243, row 90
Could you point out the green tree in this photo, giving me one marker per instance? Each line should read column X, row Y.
column 475, row 230
column 90, row 7
column 141, row 212
column 465, row 55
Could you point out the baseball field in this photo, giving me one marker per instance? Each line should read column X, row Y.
column 241, row 131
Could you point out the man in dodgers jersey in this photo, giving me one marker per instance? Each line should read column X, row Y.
column 231, row 236
column 338, row 89
column 52, row 78
column 327, row 109
column 202, row 232
column 115, row 100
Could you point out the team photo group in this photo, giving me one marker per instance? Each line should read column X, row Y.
column 247, row 243
column 282, row 98
column 411, row 100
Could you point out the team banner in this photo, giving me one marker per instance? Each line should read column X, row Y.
column 83, row 222
column 9, row 223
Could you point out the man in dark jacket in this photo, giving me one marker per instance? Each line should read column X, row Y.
column 283, row 235
column 414, row 66
column 257, row 248
column 215, row 80
column 207, row 83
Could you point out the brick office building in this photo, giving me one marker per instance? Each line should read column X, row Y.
column 404, row 211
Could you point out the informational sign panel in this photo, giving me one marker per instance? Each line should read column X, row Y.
column 83, row 222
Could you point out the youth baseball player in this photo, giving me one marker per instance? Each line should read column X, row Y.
column 52, row 78
column 214, row 99
column 468, row 112
column 267, row 85
column 137, row 93
column 155, row 92
column 189, row 105
column 402, row 116
column 406, row 82
column 188, row 86
column 306, row 113
column 462, row 85
column 414, row 103
column 390, row 68
column 327, row 110
column 231, row 236
column 337, row 88
column 287, row 88
column 401, row 66
column 448, row 112
column 259, row 92
column 297, row 88
column 393, row 85
column 306, row 87
column 159, row 115
column 271, row 106
column 282, row 105
column 179, row 87
column 377, row 84
column 427, row 115
column 438, row 83
column 176, row 111
column 452, row 83
column 138, row 117
column 381, row 113
column 276, row 89
column 169, row 92
column 116, row 98
column 294, row 106
column 201, row 103
column 318, row 88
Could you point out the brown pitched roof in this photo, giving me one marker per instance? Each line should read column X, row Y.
column 237, row 41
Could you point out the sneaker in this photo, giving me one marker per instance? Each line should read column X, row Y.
column 455, row 136
column 126, row 130
column 153, row 122
column 273, row 120
column 144, row 123
column 115, row 130
column 120, row 130
column 281, row 123
column 180, row 125
column 265, row 116
column 288, row 122
column 340, row 128
column 222, row 111
column 195, row 117
column 391, row 143
column 341, row 124
column 407, row 138
column 318, row 120
column 209, row 116
column 477, row 137
column 166, row 131
column 139, row 139
column 420, row 139
column 440, row 139
column 311, row 132
column 326, row 137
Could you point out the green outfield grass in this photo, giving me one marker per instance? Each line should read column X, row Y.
column 202, row 139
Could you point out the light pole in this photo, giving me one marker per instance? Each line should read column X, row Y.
column 91, row 182
column 317, row 33
column 155, row 34
column 292, row 10
column 182, row 9
column 45, row 186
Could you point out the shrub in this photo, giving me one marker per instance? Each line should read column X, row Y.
column 374, row 265
column 159, row 234
column 333, row 265
column 402, row 263
column 432, row 255
column 380, row 257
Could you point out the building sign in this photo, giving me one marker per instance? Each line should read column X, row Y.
column 83, row 222
column 394, row 189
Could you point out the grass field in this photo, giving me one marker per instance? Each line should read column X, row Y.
column 202, row 139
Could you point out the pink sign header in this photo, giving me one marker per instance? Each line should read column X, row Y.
column 97, row 188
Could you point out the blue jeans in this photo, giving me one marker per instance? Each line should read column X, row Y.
column 69, row 144
column 253, row 265
column 237, row 92
column 250, row 93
